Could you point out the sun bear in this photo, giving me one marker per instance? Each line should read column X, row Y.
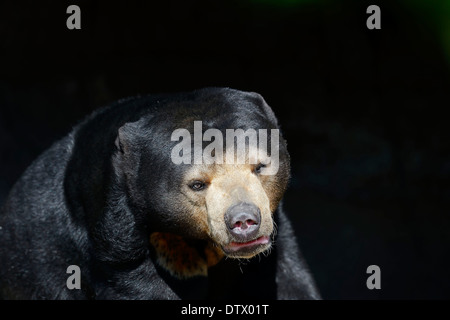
column 136, row 210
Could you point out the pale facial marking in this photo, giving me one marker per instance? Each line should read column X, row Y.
column 232, row 185
column 227, row 185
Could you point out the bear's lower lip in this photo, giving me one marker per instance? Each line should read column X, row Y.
column 237, row 246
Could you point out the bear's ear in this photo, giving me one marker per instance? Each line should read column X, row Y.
column 118, row 143
column 126, row 134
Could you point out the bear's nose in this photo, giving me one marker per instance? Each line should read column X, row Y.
column 243, row 220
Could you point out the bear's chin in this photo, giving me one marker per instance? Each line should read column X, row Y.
column 248, row 249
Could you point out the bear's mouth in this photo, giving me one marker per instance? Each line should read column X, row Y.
column 247, row 249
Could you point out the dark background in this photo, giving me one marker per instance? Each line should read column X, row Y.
column 364, row 111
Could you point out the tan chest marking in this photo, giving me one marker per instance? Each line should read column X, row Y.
column 180, row 258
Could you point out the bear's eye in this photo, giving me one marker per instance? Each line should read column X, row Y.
column 197, row 185
column 259, row 167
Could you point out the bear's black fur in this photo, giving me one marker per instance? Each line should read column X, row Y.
column 94, row 198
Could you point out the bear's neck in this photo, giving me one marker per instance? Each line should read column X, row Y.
column 182, row 258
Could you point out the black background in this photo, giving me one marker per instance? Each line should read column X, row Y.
column 363, row 111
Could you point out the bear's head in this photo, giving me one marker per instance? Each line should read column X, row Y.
column 207, row 167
